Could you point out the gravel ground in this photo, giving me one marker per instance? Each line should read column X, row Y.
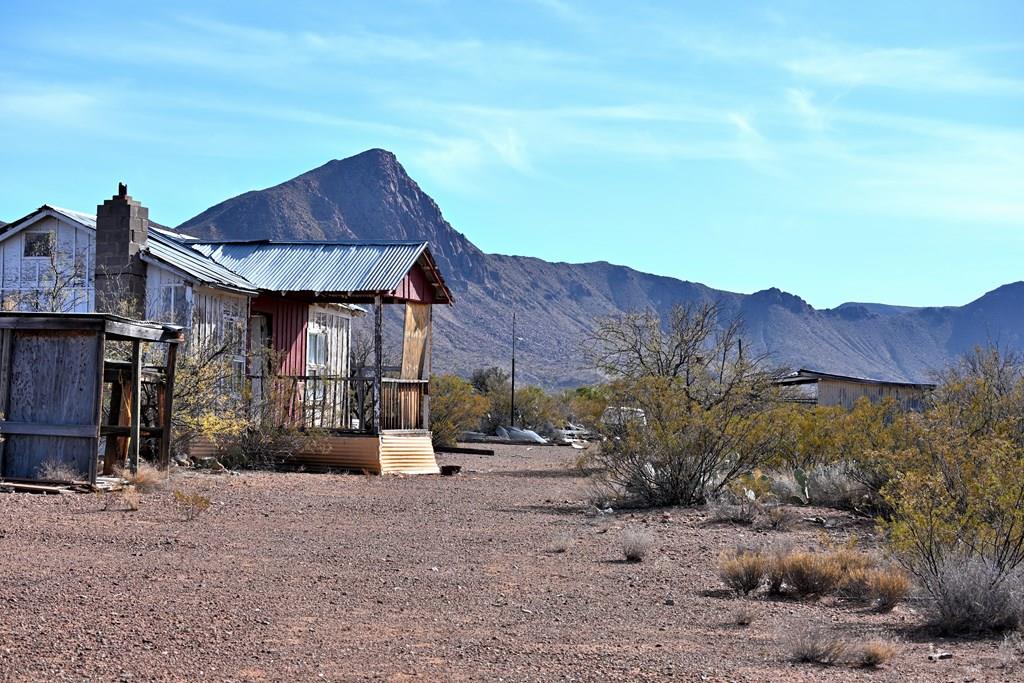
column 344, row 577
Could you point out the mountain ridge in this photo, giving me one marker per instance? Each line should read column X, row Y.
column 370, row 196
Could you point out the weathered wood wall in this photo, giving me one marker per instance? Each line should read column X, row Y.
column 54, row 379
column 840, row 393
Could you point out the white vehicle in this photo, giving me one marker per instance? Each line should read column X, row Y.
column 618, row 416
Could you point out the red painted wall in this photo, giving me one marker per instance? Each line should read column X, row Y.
column 288, row 322
column 415, row 287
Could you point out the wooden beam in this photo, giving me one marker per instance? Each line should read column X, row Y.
column 168, row 406
column 41, row 429
column 378, row 358
column 136, row 407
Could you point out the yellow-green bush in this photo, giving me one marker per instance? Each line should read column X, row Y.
column 454, row 407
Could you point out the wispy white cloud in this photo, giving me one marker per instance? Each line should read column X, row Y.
column 898, row 68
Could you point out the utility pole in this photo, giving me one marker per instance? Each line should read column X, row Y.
column 512, row 412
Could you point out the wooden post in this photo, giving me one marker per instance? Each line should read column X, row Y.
column 136, row 406
column 168, row 406
column 101, row 351
column 427, row 369
column 378, row 359
column 113, row 453
column 5, row 383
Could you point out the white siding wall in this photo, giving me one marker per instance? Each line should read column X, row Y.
column 63, row 282
column 220, row 318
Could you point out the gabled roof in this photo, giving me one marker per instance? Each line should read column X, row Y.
column 804, row 376
column 167, row 248
column 164, row 246
column 354, row 270
column 335, row 267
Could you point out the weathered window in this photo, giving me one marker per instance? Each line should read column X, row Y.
column 39, row 244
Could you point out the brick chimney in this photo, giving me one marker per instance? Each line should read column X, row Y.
column 122, row 229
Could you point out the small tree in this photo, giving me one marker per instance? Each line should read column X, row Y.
column 704, row 404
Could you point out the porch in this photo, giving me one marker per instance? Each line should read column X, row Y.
column 373, row 422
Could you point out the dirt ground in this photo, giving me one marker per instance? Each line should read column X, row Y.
column 297, row 577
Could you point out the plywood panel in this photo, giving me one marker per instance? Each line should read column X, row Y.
column 53, row 380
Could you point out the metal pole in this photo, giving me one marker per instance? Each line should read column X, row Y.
column 512, row 412
column 378, row 360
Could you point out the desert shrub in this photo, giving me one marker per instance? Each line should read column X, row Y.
column 778, row 517
column 957, row 501
column 191, row 504
column 743, row 569
column 455, row 407
column 887, row 587
column 636, row 544
column 733, row 509
column 972, row 596
column 870, row 654
column 1011, row 651
column 686, row 453
column 811, row 574
column 818, row 646
column 704, row 405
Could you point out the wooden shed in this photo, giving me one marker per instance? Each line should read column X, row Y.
column 826, row 389
column 53, row 367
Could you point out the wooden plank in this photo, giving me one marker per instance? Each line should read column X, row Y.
column 168, row 406
column 101, row 351
column 5, row 381
column 112, row 447
column 75, row 323
column 136, row 407
column 41, row 429
column 126, row 430
column 128, row 331
column 462, row 449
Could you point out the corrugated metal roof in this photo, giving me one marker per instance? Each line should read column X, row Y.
column 318, row 266
column 164, row 246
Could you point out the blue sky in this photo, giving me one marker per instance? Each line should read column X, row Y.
column 837, row 150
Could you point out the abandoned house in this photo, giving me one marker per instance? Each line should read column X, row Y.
column 292, row 302
column 825, row 389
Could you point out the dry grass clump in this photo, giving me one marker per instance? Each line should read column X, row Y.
column 887, row 586
column 147, row 478
column 778, row 518
column 845, row 572
column 52, row 470
column 744, row 615
column 131, row 499
column 560, row 543
column 818, row 646
column 871, row 654
column 636, row 544
column 743, row 569
column 811, row 574
column 742, row 511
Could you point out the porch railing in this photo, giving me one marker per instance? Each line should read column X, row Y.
column 340, row 403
